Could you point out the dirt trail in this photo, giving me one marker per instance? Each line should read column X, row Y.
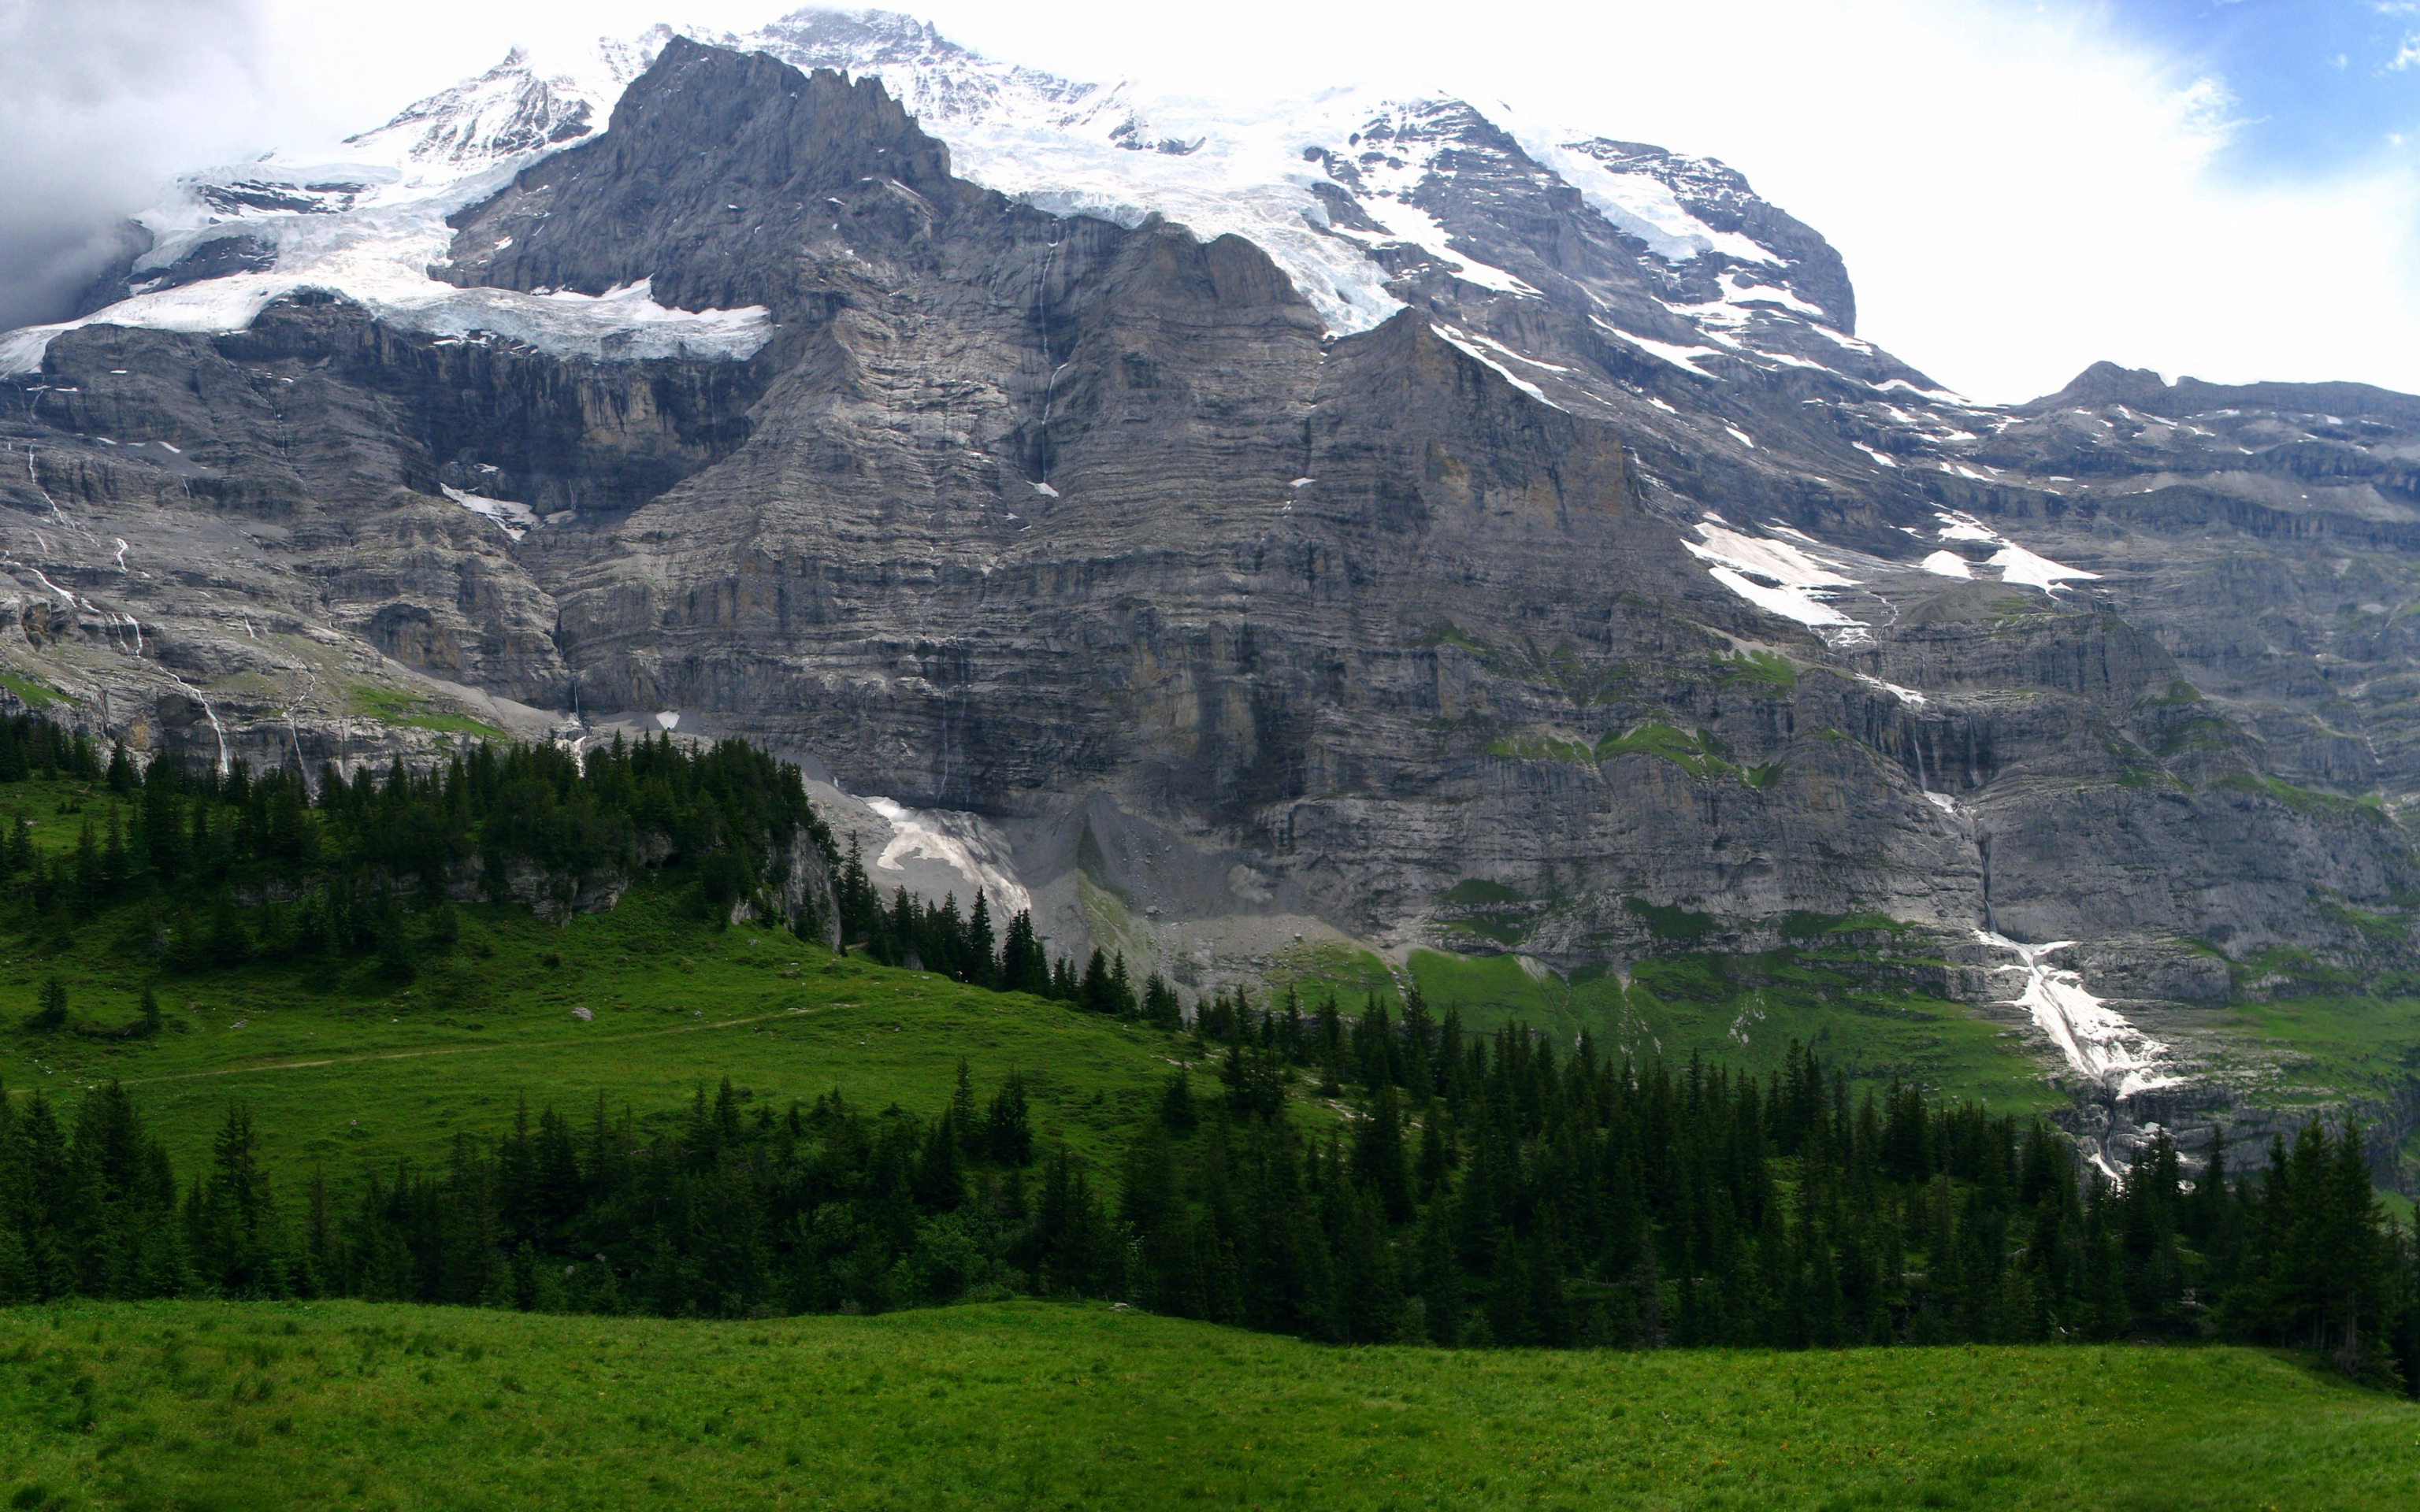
column 458, row 1050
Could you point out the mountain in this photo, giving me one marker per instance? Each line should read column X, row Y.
column 1355, row 525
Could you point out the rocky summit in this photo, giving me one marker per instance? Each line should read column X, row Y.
column 1367, row 526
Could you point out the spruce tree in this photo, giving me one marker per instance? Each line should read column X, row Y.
column 51, row 1008
column 982, row 963
column 1160, row 1006
column 1378, row 1157
column 1176, row 1110
column 1094, row 995
column 962, row 1109
column 1008, row 1134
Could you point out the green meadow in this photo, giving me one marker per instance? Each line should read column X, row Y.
column 1055, row 1405
column 340, row 1065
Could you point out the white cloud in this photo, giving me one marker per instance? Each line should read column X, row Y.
column 2019, row 190
column 104, row 97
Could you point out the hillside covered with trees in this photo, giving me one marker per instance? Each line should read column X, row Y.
column 1354, row 1177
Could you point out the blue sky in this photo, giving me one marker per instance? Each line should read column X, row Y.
column 2313, row 86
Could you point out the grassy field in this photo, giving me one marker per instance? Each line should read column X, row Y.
column 1689, row 1004
column 343, row 1404
column 340, row 1066
column 2333, row 1045
column 1742, row 1014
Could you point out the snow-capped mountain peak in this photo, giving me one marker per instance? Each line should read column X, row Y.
column 1359, row 196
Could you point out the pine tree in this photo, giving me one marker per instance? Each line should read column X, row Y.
column 939, row 1183
column 51, row 1008
column 1008, row 1136
column 1023, row 968
column 89, row 878
column 1160, row 1007
column 982, row 966
column 115, row 866
column 394, row 946
column 1378, row 1157
column 233, row 1217
column 1440, row 1278
column 229, row 944
column 1176, row 1110
column 1094, row 995
column 21, row 856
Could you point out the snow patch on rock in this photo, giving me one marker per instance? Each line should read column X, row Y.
column 964, row 842
column 366, row 217
column 2098, row 1043
column 515, row 520
column 2017, row 564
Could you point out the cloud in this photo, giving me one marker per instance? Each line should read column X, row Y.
column 106, row 97
column 2019, row 188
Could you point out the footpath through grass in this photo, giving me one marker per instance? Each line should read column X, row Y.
column 345, row 1404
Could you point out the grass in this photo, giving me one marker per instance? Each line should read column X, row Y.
column 1477, row 892
column 33, row 694
column 2305, row 801
column 341, row 1066
column 58, row 809
column 1540, row 746
column 1031, row 1404
column 1701, row 754
column 1758, row 669
column 1745, row 1011
column 2352, row 1044
column 393, row 705
column 1313, row 971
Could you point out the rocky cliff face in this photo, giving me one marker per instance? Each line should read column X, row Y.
column 1263, row 558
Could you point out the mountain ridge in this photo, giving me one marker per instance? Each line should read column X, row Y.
column 1250, row 612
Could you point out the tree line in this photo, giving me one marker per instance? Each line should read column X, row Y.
column 1523, row 1199
column 1471, row 1190
column 533, row 822
column 907, row 932
column 233, row 866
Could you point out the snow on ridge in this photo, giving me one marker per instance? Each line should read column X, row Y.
column 1631, row 200
column 1683, row 358
column 366, row 219
column 2097, row 1042
column 1906, row 695
column 1775, row 575
column 2017, row 564
column 1074, row 148
column 1454, row 338
column 964, row 842
column 624, row 323
column 1784, row 564
column 1411, row 226
column 515, row 520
